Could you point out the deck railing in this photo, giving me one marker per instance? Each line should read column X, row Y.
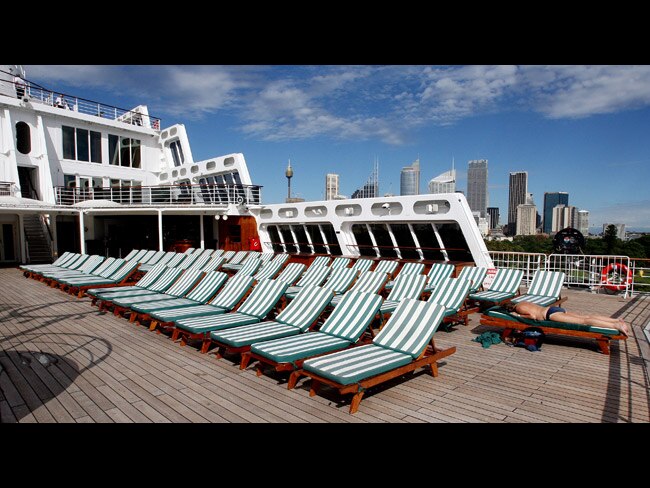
column 8, row 189
column 164, row 195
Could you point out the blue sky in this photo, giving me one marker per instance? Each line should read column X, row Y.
column 579, row 129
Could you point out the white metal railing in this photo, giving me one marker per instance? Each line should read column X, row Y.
column 35, row 93
column 8, row 189
column 597, row 272
column 164, row 195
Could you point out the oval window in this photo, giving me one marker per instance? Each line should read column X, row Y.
column 23, row 138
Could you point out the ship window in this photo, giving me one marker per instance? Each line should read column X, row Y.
column 125, row 151
column 332, row 240
column 23, row 138
column 287, row 237
column 135, row 153
column 228, row 178
column 454, row 242
column 428, row 242
column 301, row 235
column 316, row 238
column 177, row 152
column 384, row 242
column 275, row 239
column 113, row 154
column 210, row 165
column 82, row 145
column 236, row 178
column 364, row 243
column 229, row 161
column 95, row 147
column 68, row 142
column 405, row 241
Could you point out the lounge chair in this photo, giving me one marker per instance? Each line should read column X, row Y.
column 343, row 328
column 149, row 278
column 236, row 258
column 213, row 264
column 144, row 268
column 320, row 261
column 545, row 289
column 407, row 269
column 451, row 293
column 218, row 253
column 368, row 282
column 230, row 295
column 437, row 273
column 387, row 266
column 269, row 270
column 339, row 280
column 185, row 282
column 315, row 275
column 291, row 273
column 237, row 266
column 362, row 265
column 58, row 263
column 255, row 308
column 406, row 286
column 200, row 295
column 475, row 274
column 104, row 270
column 130, row 255
column 498, row 317
column 201, row 260
column 120, row 277
column 74, row 264
column 340, row 262
column 227, row 255
column 90, row 265
column 504, row 287
column 297, row 317
column 402, row 346
column 178, row 258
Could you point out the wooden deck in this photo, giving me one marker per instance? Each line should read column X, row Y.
column 64, row 361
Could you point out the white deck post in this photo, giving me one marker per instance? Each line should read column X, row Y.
column 201, row 232
column 160, row 231
column 82, row 237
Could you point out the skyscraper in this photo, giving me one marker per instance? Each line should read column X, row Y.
column 564, row 216
column 583, row 222
column 371, row 188
column 331, row 186
column 526, row 217
column 517, row 195
column 410, row 179
column 444, row 183
column 551, row 199
column 493, row 217
column 477, row 186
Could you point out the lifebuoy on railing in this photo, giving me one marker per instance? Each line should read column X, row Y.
column 616, row 276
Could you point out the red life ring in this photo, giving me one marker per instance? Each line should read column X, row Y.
column 623, row 274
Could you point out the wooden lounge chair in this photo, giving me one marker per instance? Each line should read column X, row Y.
column 498, row 317
column 104, row 270
column 315, row 275
column 403, row 345
column 406, row 286
column 320, row 261
column 545, row 289
column 86, row 270
column 254, row 309
column 343, row 328
column 213, row 264
column 451, row 293
column 407, row 268
column 200, row 295
column 149, row 278
column 387, row 266
column 297, row 317
column 120, row 277
column 437, row 273
column 227, row 299
column 28, row 269
column 340, row 262
column 269, row 270
column 339, row 280
column 368, row 282
column 362, row 264
column 74, row 264
column 504, row 287
column 227, row 255
column 291, row 273
column 144, row 268
column 237, row 258
column 475, row 274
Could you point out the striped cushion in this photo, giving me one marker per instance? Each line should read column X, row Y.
column 507, row 280
column 352, row 316
column 146, row 307
column 298, row 347
column 386, row 266
column 208, row 286
column 291, row 273
column 536, row 299
column 362, row 265
column 502, row 314
column 128, row 301
column 407, row 269
column 437, row 273
column 199, row 325
column 407, row 286
column 213, row 264
column 491, row 296
column 306, row 307
column 315, row 275
column 250, row 334
column 450, row 293
column 340, row 263
column 546, row 283
column 185, row 282
column 117, row 295
column 249, row 268
column 320, row 261
column 411, row 327
column 340, row 279
column 170, row 315
column 177, row 258
column 112, row 289
column 475, row 274
column 263, row 298
column 227, row 255
column 388, row 306
column 232, row 292
column 269, row 270
column 355, row 364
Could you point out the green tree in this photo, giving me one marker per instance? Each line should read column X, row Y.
column 610, row 238
column 633, row 249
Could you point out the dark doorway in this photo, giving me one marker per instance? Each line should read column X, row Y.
column 8, row 244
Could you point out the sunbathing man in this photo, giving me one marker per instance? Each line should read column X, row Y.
column 529, row 310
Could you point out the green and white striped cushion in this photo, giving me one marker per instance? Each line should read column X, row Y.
column 166, row 280
column 437, row 273
column 198, row 325
column 238, row 257
column 340, row 262
column 407, row 286
column 368, row 282
column 144, row 258
column 189, row 260
column 228, row 255
column 124, row 271
column 133, row 300
column 314, row 275
column 507, row 280
column 217, row 253
column 200, row 261
column 407, row 269
column 356, row 364
column 232, row 292
column 142, row 284
column 340, row 279
column 491, row 296
column 213, row 264
column 411, row 327
column 536, row 299
column 475, row 274
column 171, row 315
column 362, row 265
column 268, row 270
column 547, row 283
column 451, row 293
column 263, row 298
column 154, row 306
column 305, row 308
column 297, row 347
column 185, row 282
column 246, row 335
column 320, row 261
column 249, row 268
column 291, row 273
column 352, row 316
column 386, row 266
column 208, row 286
column 177, row 258
column 155, row 258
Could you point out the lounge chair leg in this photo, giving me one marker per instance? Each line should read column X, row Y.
column 205, row 346
column 259, row 371
column 175, row 335
column 132, row 317
column 434, row 369
column 153, row 324
column 245, row 359
column 315, row 385
column 219, row 353
column 603, row 345
column 356, row 400
column 293, row 379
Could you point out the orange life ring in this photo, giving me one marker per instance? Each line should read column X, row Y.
column 624, row 276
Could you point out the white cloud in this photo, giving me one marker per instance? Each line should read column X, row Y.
column 632, row 214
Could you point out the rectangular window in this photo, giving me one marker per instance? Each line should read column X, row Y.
column 299, row 231
column 364, row 242
column 177, row 152
column 68, row 143
column 454, row 242
column 125, row 151
column 405, row 241
column 82, row 145
column 383, row 240
column 428, row 241
column 288, row 238
column 332, row 240
column 95, row 147
column 113, row 153
column 316, row 238
column 135, row 153
column 275, row 238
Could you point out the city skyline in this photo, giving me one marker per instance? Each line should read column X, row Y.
column 575, row 129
